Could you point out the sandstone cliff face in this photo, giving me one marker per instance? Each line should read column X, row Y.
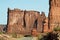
column 46, row 28
column 15, row 23
column 30, row 18
column 24, row 22
column 41, row 20
column 54, row 14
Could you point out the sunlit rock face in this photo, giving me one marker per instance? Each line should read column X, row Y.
column 46, row 28
column 15, row 21
column 40, row 23
column 54, row 13
column 23, row 22
column 30, row 18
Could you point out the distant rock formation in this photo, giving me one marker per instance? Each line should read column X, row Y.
column 54, row 13
column 24, row 22
column 2, row 28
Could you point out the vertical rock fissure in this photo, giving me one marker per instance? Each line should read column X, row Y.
column 35, row 24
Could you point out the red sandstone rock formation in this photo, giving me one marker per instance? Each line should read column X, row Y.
column 41, row 22
column 46, row 29
column 20, row 21
column 15, row 21
column 30, row 18
column 54, row 14
column 24, row 22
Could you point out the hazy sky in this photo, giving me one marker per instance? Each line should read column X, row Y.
column 37, row 5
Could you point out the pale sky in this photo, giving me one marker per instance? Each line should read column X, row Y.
column 37, row 5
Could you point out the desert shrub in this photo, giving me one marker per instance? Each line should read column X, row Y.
column 57, row 29
column 28, row 36
column 50, row 36
column 14, row 35
column 20, row 35
column 1, row 32
column 40, row 37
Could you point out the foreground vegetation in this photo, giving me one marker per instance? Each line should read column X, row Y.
column 41, row 36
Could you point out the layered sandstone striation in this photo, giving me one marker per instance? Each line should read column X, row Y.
column 54, row 13
column 24, row 22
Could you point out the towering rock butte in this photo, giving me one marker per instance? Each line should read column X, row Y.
column 24, row 22
column 54, row 13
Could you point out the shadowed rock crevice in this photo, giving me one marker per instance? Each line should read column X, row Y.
column 35, row 24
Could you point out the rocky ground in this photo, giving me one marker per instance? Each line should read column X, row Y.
column 7, row 37
column 40, row 36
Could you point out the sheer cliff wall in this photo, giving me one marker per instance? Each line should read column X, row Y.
column 24, row 22
column 54, row 13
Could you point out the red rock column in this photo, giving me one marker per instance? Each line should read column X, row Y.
column 40, row 25
column 54, row 13
column 46, row 29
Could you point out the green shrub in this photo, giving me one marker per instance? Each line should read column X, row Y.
column 49, row 36
column 57, row 29
column 20, row 35
column 1, row 32
column 40, row 36
column 14, row 35
column 28, row 36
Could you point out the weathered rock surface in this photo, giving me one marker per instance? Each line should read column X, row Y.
column 46, row 28
column 15, row 21
column 30, row 18
column 54, row 14
column 24, row 22
column 41, row 20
